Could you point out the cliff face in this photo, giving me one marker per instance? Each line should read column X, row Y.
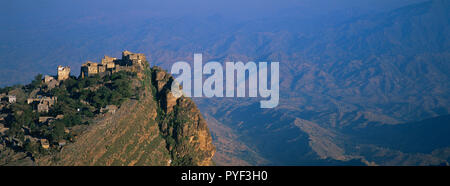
column 153, row 129
column 187, row 134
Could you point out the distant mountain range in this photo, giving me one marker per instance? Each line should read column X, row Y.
column 383, row 69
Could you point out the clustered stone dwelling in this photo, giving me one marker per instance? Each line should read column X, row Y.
column 110, row 65
column 42, row 104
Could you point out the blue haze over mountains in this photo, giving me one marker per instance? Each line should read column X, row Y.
column 362, row 82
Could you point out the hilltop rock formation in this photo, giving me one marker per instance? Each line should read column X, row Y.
column 150, row 127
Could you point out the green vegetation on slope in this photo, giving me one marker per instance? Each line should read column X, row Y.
column 78, row 101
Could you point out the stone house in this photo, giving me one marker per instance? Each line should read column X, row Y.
column 46, row 119
column 90, row 68
column 109, row 109
column 51, row 82
column 63, row 73
column 12, row 99
column 109, row 62
column 48, row 78
column 44, row 143
column 42, row 107
column 44, row 103
column 132, row 59
column 111, row 65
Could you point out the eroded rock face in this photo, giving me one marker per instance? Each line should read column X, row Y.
column 160, row 78
column 183, row 125
column 196, row 130
column 170, row 102
column 162, row 81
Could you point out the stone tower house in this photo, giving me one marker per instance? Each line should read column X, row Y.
column 63, row 73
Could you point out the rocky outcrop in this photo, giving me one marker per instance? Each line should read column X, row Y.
column 182, row 124
column 162, row 81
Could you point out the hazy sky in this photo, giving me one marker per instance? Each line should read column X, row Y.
column 76, row 30
column 31, row 11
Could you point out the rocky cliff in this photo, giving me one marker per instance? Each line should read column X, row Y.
column 180, row 122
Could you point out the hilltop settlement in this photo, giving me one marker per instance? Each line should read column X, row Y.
column 46, row 114
column 116, row 112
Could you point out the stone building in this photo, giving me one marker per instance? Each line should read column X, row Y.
column 48, row 78
column 63, row 73
column 44, row 103
column 109, row 62
column 41, row 99
column 46, row 119
column 91, row 68
column 42, row 107
column 44, row 143
column 109, row 109
column 88, row 69
column 110, row 65
column 132, row 59
column 12, row 99
column 51, row 82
